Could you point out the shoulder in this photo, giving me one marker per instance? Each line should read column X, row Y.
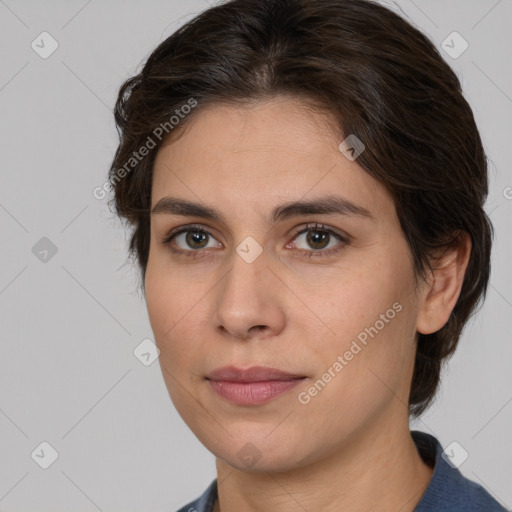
column 479, row 499
column 449, row 490
column 205, row 502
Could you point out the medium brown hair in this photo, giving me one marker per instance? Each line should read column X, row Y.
column 378, row 76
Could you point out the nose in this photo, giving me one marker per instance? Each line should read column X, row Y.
column 250, row 300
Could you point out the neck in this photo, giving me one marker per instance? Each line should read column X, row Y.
column 379, row 469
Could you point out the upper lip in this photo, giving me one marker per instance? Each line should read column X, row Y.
column 253, row 374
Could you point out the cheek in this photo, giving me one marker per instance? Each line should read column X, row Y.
column 172, row 329
column 369, row 378
column 158, row 302
column 163, row 305
column 372, row 315
column 352, row 301
column 175, row 311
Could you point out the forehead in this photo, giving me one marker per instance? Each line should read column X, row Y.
column 262, row 154
column 279, row 124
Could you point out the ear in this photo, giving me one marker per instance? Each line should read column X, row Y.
column 441, row 294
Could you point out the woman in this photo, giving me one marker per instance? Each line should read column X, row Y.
column 306, row 185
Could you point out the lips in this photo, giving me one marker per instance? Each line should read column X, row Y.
column 253, row 386
column 253, row 374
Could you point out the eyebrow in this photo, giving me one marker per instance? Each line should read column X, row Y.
column 330, row 204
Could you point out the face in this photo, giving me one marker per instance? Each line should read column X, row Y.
column 326, row 295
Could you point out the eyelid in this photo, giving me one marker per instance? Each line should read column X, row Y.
column 315, row 226
column 189, row 227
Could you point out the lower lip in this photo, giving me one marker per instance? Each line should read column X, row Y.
column 252, row 393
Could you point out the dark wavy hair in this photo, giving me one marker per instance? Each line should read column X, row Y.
column 378, row 76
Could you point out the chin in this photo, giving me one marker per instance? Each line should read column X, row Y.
column 258, row 452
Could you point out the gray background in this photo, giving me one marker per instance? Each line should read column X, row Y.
column 69, row 325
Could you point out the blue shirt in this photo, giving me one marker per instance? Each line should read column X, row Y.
column 448, row 490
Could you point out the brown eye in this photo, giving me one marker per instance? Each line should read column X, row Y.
column 196, row 239
column 319, row 239
column 190, row 241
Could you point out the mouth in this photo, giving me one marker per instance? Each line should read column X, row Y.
column 253, row 386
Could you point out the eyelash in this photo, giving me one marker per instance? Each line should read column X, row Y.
column 199, row 253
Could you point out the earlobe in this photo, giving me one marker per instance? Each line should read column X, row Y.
column 441, row 295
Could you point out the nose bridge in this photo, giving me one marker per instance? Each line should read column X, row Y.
column 246, row 299
column 243, row 283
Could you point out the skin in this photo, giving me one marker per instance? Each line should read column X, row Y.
column 349, row 448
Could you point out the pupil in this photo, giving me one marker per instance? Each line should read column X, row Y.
column 195, row 237
column 317, row 236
